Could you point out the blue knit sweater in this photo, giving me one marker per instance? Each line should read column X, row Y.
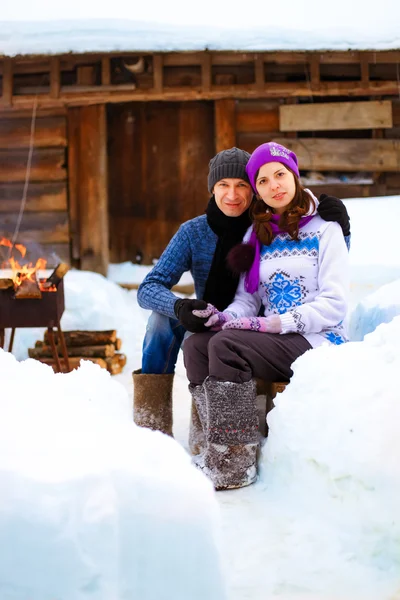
column 191, row 249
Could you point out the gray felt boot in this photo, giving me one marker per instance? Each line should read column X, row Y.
column 198, row 420
column 230, row 459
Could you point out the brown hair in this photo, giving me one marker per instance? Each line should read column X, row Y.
column 289, row 221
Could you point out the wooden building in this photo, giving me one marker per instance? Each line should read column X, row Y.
column 119, row 144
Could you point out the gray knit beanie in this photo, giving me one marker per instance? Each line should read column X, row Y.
column 228, row 164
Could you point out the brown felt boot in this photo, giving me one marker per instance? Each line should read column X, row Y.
column 152, row 401
column 197, row 438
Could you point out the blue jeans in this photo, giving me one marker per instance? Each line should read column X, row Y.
column 161, row 344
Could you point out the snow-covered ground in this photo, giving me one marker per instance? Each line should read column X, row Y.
column 322, row 521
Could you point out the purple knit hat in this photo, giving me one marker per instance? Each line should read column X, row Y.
column 270, row 152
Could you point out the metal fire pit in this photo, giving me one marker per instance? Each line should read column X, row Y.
column 34, row 312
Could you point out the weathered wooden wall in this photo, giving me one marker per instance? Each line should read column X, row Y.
column 45, row 225
column 158, row 156
column 336, row 147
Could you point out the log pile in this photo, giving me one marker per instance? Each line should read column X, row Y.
column 99, row 347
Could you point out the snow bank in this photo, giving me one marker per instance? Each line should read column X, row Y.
column 333, row 455
column 91, row 505
column 379, row 307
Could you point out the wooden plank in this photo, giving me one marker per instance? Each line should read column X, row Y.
column 206, row 79
column 158, row 73
column 86, row 75
column 37, row 227
column 40, row 197
column 314, row 71
column 364, row 65
column 105, row 71
column 73, row 121
column 13, row 113
column 93, row 199
column 47, row 165
column 49, row 132
column 196, row 147
column 331, row 116
column 55, row 77
column 323, row 154
column 130, row 93
column 7, row 94
column 225, row 124
column 261, row 121
column 259, row 71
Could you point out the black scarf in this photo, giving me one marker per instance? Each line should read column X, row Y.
column 221, row 283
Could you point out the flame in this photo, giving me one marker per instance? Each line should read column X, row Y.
column 27, row 271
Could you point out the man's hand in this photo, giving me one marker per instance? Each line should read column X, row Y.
column 184, row 313
column 333, row 209
column 271, row 324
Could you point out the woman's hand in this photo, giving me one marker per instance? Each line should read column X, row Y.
column 216, row 318
column 271, row 324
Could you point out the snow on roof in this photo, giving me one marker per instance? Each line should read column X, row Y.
column 47, row 27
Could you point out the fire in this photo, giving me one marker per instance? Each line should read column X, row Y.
column 24, row 272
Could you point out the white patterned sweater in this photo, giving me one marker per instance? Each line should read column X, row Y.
column 304, row 281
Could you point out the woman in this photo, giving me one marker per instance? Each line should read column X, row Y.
column 296, row 268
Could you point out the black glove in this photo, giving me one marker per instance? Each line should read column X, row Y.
column 333, row 209
column 183, row 310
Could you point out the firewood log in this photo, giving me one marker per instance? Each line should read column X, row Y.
column 29, row 288
column 85, row 338
column 56, row 276
column 5, row 284
column 116, row 363
column 74, row 362
column 83, row 351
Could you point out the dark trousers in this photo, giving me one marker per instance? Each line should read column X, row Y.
column 239, row 355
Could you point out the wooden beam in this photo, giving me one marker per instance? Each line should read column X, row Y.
column 331, row 116
column 120, row 93
column 105, row 71
column 73, row 120
column 55, row 77
column 41, row 197
column 48, row 164
column 7, row 94
column 92, row 188
column 206, row 80
column 48, row 227
column 314, row 71
column 345, row 154
column 225, row 124
column 259, row 72
column 364, row 70
column 49, row 132
column 158, row 73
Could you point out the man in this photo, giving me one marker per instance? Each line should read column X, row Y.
column 200, row 246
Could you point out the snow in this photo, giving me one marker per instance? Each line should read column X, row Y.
column 322, row 521
column 91, row 505
column 45, row 27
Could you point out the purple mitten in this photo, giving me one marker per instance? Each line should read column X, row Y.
column 271, row 324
